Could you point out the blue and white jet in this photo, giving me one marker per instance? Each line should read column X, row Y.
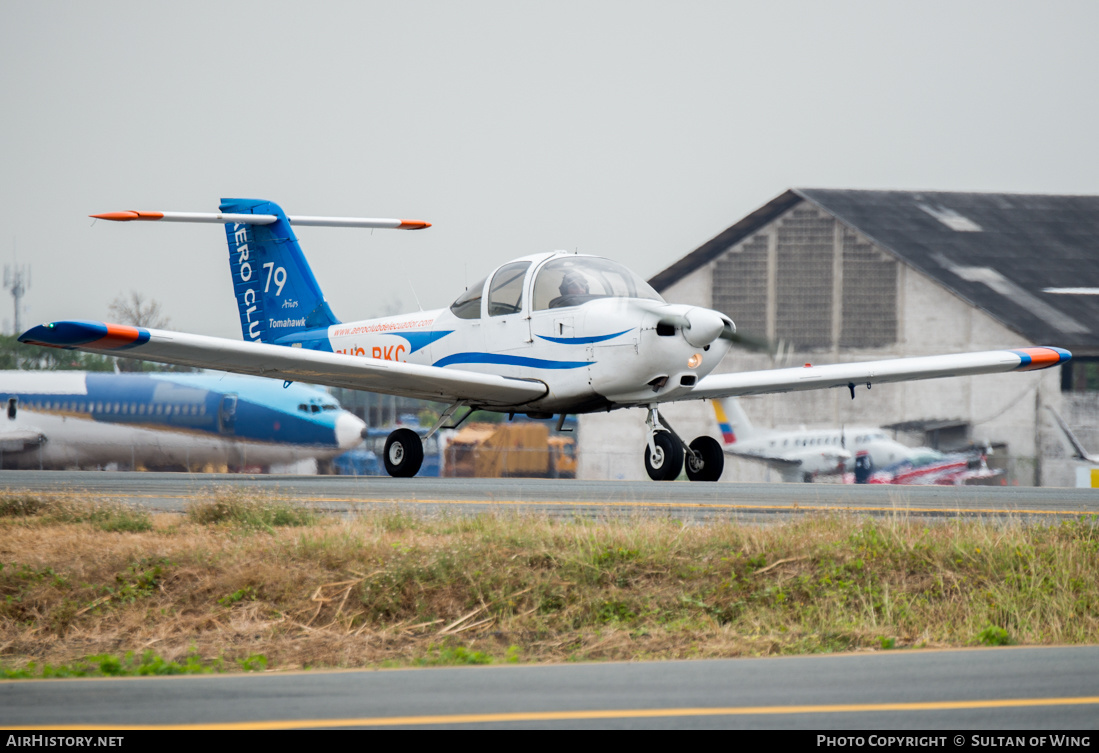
column 546, row 334
column 75, row 419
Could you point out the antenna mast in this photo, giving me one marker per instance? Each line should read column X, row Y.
column 18, row 281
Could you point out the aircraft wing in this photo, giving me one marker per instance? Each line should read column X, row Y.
column 874, row 372
column 293, row 364
column 775, row 460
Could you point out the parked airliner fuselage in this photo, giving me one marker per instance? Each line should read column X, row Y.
column 71, row 419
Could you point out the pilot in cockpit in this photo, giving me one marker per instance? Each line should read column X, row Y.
column 573, row 285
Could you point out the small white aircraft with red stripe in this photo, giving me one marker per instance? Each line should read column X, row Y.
column 926, row 467
column 546, row 334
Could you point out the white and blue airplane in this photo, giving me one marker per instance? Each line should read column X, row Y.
column 806, row 454
column 546, row 334
column 76, row 419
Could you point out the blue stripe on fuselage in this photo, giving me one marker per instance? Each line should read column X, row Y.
column 419, row 339
column 506, row 360
column 584, row 340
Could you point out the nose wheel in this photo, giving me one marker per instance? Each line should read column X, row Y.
column 665, row 453
column 664, row 460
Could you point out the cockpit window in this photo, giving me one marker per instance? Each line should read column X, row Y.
column 468, row 305
column 505, row 294
column 573, row 280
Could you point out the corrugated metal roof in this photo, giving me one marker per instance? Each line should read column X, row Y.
column 1017, row 256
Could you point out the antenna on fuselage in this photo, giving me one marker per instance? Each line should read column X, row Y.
column 414, row 296
column 410, row 285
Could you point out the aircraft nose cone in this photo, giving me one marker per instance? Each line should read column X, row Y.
column 705, row 327
column 349, row 430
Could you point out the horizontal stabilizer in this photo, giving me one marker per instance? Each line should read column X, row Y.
column 261, row 219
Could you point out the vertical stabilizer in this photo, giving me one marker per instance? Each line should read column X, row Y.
column 733, row 421
column 277, row 294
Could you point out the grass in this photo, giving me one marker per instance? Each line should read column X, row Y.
column 105, row 515
column 246, row 583
column 236, row 507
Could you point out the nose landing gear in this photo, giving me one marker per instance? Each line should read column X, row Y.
column 664, row 456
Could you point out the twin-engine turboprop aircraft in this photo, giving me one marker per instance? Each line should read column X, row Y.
column 805, row 454
column 546, row 334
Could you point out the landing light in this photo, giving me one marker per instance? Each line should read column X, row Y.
column 694, row 361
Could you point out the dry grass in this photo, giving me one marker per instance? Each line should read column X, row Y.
column 396, row 588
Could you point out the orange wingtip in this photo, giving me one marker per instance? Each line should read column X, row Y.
column 1041, row 358
column 127, row 216
column 413, row 225
column 117, row 336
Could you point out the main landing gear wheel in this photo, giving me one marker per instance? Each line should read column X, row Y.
column 706, row 461
column 665, row 464
column 404, row 453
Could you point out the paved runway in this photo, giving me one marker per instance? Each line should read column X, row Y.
column 978, row 689
column 747, row 502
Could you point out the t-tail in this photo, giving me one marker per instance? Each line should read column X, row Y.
column 277, row 295
column 733, row 421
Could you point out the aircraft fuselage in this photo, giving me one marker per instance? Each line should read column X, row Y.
column 602, row 352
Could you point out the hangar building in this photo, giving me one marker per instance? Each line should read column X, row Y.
column 841, row 275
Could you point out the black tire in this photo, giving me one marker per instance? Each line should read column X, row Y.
column 708, row 461
column 669, row 458
column 404, row 453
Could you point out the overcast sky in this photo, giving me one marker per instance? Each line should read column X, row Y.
column 634, row 130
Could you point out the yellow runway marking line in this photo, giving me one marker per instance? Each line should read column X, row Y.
column 565, row 716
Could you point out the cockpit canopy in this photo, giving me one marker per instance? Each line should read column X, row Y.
column 572, row 280
column 563, row 281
